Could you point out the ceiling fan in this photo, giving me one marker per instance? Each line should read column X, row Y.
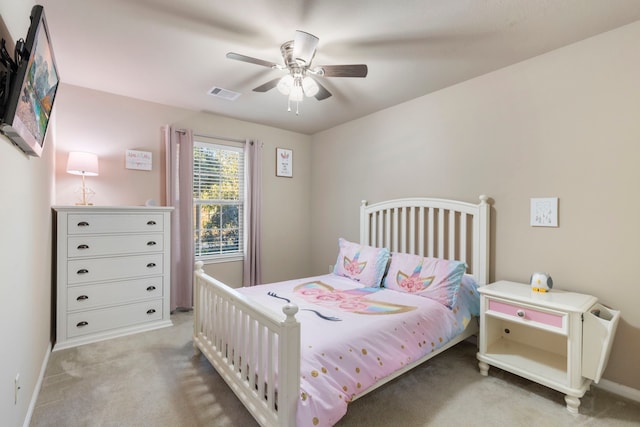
column 300, row 79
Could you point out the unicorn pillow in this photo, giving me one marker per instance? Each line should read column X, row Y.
column 361, row 263
column 434, row 278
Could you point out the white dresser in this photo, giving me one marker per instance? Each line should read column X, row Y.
column 112, row 272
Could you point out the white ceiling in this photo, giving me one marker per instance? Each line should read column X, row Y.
column 173, row 51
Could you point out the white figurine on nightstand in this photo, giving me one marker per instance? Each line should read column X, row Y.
column 541, row 282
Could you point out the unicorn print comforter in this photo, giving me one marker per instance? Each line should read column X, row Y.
column 379, row 332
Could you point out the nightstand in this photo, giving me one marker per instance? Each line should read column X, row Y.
column 559, row 339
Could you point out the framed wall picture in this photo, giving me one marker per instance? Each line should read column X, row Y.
column 140, row 160
column 284, row 162
column 544, row 212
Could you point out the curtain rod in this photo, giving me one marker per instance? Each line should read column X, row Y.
column 214, row 137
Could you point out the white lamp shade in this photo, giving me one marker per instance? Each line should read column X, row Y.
column 285, row 84
column 296, row 94
column 80, row 163
column 310, row 86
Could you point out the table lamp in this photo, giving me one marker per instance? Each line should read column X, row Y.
column 84, row 164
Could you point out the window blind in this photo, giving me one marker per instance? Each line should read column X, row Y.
column 218, row 199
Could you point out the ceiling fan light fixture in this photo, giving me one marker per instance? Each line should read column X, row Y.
column 296, row 94
column 304, row 46
column 297, row 55
column 285, row 84
column 309, row 86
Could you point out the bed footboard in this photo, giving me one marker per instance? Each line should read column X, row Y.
column 255, row 350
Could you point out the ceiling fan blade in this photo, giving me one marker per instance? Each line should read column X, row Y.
column 323, row 93
column 251, row 60
column 268, row 85
column 354, row 70
column 304, row 46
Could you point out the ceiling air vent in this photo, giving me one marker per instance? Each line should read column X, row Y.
column 219, row 92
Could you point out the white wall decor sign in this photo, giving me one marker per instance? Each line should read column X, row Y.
column 544, row 212
column 140, row 160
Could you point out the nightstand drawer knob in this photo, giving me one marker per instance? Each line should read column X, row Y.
column 83, row 246
column 520, row 313
column 83, row 224
column 83, row 271
column 151, row 288
column 151, row 223
column 151, row 311
column 151, row 243
column 81, row 324
column 82, row 298
column 151, row 265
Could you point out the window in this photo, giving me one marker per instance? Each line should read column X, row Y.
column 218, row 200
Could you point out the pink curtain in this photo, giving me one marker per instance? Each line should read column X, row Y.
column 179, row 185
column 252, row 272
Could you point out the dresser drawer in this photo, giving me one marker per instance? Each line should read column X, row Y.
column 109, row 223
column 79, row 246
column 88, row 322
column 100, row 269
column 533, row 316
column 92, row 296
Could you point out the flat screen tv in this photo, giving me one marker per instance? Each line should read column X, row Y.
column 28, row 105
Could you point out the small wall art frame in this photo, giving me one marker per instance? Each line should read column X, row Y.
column 284, row 162
column 544, row 212
column 140, row 160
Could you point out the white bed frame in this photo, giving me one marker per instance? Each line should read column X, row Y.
column 224, row 319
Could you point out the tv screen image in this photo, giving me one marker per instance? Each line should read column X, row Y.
column 33, row 91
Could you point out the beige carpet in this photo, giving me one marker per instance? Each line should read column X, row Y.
column 152, row 379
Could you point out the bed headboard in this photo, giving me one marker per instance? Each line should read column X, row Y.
column 448, row 229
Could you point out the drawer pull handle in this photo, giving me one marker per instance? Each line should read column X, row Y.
column 83, row 246
column 83, row 271
column 151, row 243
column 151, row 311
column 151, row 288
column 82, row 298
column 83, row 224
column 151, row 222
column 81, row 324
column 520, row 313
column 151, row 265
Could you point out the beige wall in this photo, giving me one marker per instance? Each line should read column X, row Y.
column 108, row 125
column 25, row 265
column 565, row 124
column 25, row 255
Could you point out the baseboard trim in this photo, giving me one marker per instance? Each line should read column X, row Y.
column 36, row 390
column 619, row 389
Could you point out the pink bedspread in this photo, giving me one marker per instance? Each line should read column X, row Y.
column 380, row 332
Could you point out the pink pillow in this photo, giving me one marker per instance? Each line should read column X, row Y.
column 434, row 278
column 361, row 263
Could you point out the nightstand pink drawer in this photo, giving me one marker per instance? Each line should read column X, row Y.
column 529, row 314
